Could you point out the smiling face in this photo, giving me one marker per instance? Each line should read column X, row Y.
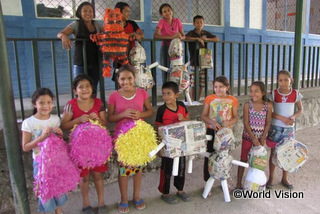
column 126, row 80
column 125, row 13
column 220, row 89
column 44, row 106
column 168, row 96
column 87, row 13
column 83, row 89
column 256, row 94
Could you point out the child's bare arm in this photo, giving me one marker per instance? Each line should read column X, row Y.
column 27, row 144
column 148, row 110
column 103, row 118
column 268, row 124
column 157, row 35
column 299, row 112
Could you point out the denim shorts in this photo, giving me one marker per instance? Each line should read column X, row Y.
column 277, row 133
column 52, row 204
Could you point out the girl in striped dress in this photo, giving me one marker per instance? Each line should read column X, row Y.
column 257, row 114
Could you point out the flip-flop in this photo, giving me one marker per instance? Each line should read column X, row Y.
column 123, row 207
column 140, row 205
column 102, row 210
column 269, row 186
column 289, row 186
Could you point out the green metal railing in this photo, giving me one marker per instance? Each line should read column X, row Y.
column 242, row 63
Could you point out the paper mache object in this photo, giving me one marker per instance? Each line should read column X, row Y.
column 175, row 52
column 144, row 78
column 290, row 154
column 219, row 165
column 258, row 157
column 224, row 139
column 113, row 41
column 90, row 144
column 134, row 140
column 57, row 174
column 255, row 180
column 186, row 138
column 205, row 58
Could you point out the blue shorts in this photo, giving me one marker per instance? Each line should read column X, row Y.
column 277, row 133
column 52, row 204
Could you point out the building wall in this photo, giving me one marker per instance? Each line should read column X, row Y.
column 238, row 26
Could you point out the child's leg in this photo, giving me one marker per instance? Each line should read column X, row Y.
column 285, row 178
column 58, row 210
column 246, row 145
column 136, row 185
column 271, row 168
column 239, row 176
column 98, row 183
column 180, row 178
column 165, row 175
column 123, row 185
column 84, row 187
column 206, row 174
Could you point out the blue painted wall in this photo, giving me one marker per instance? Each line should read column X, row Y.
column 28, row 26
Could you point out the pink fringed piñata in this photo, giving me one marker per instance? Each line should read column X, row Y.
column 90, row 145
column 57, row 174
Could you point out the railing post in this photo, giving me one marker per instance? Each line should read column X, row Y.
column 10, row 129
column 231, row 67
column 55, row 78
column 36, row 63
column 196, row 74
column 298, row 43
column 154, row 73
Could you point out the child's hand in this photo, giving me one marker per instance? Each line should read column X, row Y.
column 262, row 141
column 176, row 35
column 180, row 117
column 225, row 123
column 214, row 125
column 136, row 115
column 84, row 118
column 93, row 116
column 129, row 113
column 255, row 141
column 45, row 133
column 201, row 41
column 68, row 109
column 57, row 131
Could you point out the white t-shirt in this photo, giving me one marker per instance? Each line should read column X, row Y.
column 35, row 127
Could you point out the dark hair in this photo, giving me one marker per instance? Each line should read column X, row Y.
column 223, row 80
column 121, row 5
column 127, row 67
column 197, row 17
column 164, row 5
column 78, row 11
column 40, row 92
column 286, row 72
column 262, row 87
column 82, row 27
column 171, row 85
column 77, row 79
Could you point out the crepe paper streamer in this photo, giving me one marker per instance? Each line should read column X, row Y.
column 90, row 144
column 175, row 166
column 134, row 141
column 57, row 174
column 113, row 41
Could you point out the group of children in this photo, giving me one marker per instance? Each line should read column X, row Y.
column 267, row 118
column 265, row 122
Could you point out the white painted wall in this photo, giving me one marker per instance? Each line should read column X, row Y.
column 11, row 7
column 237, row 16
column 255, row 14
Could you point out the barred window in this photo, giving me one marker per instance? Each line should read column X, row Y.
column 314, row 17
column 185, row 10
column 67, row 8
column 281, row 15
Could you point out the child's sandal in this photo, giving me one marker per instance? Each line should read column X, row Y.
column 123, row 207
column 140, row 205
